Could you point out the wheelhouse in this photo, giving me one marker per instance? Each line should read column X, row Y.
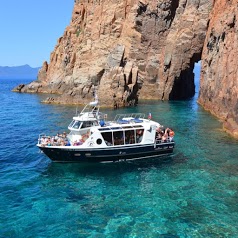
column 77, row 125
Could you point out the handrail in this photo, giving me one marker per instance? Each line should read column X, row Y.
column 129, row 115
column 90, row 109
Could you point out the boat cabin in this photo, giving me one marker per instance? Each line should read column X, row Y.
column 129, row 130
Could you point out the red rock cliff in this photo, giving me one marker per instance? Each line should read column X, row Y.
column 128, row 49
column 219, row 75
column 133, row 49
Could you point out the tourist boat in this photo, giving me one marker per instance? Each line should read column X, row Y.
column 93, row 138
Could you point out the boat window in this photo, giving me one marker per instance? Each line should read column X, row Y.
column 118, row 137
column 99, row 141
column 95, row 123
column 104, row 129
column 139, row 135
column 115, row 128
column 130, row 137
column 121, row 121
column 71, row 123
column 76, row 125
column 126, row 127
column 137, row 126
column 107, row 136
column 136, row 120
column 87, row 124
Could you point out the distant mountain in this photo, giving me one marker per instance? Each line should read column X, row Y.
column 18, row 72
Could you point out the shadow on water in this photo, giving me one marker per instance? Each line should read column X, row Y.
column 107, row 169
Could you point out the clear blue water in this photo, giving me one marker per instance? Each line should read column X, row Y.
column 194, row 193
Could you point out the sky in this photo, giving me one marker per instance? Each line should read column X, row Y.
column 29, row 29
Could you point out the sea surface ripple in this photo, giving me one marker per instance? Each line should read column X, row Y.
column 192, row 193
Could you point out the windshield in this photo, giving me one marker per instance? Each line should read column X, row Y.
column 75, row 124
column 71, row 123
column 82, row 124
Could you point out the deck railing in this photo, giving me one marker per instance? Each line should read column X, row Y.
column 130, row 116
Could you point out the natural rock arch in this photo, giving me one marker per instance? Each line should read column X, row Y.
column 133, row 50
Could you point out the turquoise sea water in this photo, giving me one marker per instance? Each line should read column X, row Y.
column 193, row 193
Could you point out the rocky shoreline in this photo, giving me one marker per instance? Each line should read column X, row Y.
column 131, row 50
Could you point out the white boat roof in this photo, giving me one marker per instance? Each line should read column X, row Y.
column 120, row 125
column 121, row 121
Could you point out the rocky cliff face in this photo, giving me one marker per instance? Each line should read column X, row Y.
column 219, row 75
column 128, row 49
column 131, row 50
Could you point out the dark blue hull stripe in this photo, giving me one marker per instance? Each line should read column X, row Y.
column 74, row 154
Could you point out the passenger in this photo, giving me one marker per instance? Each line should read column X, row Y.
column 59, row 141
column 139, row 139
column 48, row 141
column 127, row 139
column 122, row 138
column 43, row 141
column 60, row 135
column 52, row 141
column 132, row 139
column 56, row 137
column 158, row 134
column 168, row 135
column 116, row 141
column 164, row 136
column 102, row 123
column 167, row 130
column 64, row 135
column 62, row 143
column 85, row 136
column 77, row 143
column 80, row 142
column 171, row 135
column 67, row 143
column 139, row 136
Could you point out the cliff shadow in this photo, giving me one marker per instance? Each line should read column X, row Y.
column 186, row 86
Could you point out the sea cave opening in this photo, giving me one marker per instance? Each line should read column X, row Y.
column 196, row 71
column 186, row 86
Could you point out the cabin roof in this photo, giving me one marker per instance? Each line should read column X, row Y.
column 118, row 127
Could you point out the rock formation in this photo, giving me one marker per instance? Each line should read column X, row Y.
column 219, row 75
column 140, row 49
column 128, row 49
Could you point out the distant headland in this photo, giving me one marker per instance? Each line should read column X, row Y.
column 19, row 72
